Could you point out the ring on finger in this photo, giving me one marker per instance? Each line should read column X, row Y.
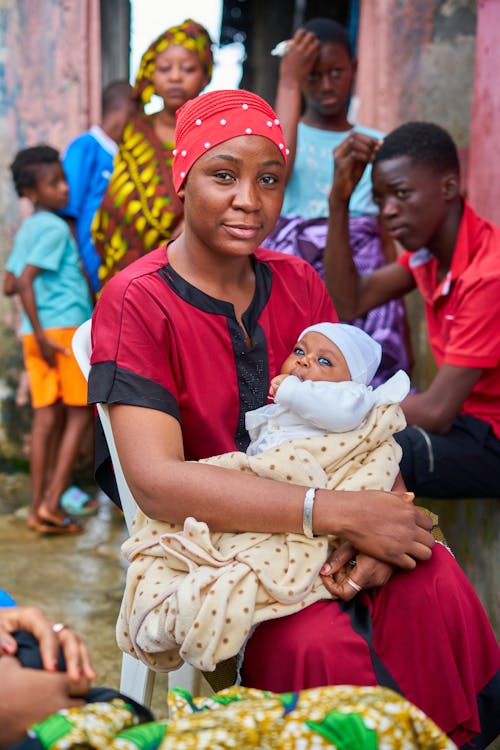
column 357, row 588
column 352, row 562
column 58, row 626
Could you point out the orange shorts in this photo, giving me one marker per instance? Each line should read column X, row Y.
column 63, row 382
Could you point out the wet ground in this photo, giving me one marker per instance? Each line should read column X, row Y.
column 76, row 579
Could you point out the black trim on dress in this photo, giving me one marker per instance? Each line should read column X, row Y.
column 361, row 623
column 252, row 364
column 111, row 384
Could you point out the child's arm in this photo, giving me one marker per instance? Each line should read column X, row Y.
column 48, row 348
column 295, row 66
column 9, row 284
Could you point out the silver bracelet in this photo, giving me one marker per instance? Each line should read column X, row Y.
column 307, row 518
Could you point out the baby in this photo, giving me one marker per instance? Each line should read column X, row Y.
column 193, row 594
column 324, row 386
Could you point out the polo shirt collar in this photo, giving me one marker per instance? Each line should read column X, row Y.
column 463, row 251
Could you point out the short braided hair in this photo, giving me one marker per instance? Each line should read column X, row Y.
column 24, row 168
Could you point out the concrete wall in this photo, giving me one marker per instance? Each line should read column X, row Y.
column 50, row 85
column 437, row 60
column 472, row 529
column 484, row 155
column 416, row 61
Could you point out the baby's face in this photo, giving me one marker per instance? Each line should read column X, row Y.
column 315, row 357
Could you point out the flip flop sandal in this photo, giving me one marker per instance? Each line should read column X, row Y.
column 66, row 526
column 76, row 502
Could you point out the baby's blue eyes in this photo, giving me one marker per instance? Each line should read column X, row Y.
column 324, row 361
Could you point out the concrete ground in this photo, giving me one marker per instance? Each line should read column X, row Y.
column 78, row 580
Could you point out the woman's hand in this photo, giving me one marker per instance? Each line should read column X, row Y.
column 80, row 671
column 367, row 572
column 384, row 525
column 350, row 159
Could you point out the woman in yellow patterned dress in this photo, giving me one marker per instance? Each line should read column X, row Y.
column 140, row 208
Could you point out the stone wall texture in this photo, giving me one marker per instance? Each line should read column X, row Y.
column 437, row 60
column 416, row 62
column 49, row 92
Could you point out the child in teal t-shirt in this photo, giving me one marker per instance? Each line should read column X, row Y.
column 44, row 268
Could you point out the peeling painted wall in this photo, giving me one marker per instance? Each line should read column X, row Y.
column 437, row 60
column 416, row 61
column 49, row 92
column 484, row 159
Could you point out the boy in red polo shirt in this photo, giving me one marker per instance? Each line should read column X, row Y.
column 451, row 447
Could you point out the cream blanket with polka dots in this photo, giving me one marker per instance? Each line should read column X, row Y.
column 192, row 595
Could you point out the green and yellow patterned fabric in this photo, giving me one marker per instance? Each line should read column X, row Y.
column 342, row 717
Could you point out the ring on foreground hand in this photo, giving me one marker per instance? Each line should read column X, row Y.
column 357, row 588
column 58, row 626
column 352, row 562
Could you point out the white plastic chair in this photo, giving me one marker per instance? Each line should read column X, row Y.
column 136, row 679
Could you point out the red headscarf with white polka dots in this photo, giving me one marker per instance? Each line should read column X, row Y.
column 215, row 117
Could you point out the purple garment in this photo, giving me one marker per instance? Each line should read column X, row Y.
column 386, row 324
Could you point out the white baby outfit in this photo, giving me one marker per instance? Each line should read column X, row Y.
column 310, row 408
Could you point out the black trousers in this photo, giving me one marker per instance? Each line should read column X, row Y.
column 465, row 462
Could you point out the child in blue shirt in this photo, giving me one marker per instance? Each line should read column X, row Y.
column 44, row 268
column 88, row 165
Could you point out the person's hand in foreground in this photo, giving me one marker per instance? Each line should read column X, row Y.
column 28, row 696
column 31, row 695
column 78, row 663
